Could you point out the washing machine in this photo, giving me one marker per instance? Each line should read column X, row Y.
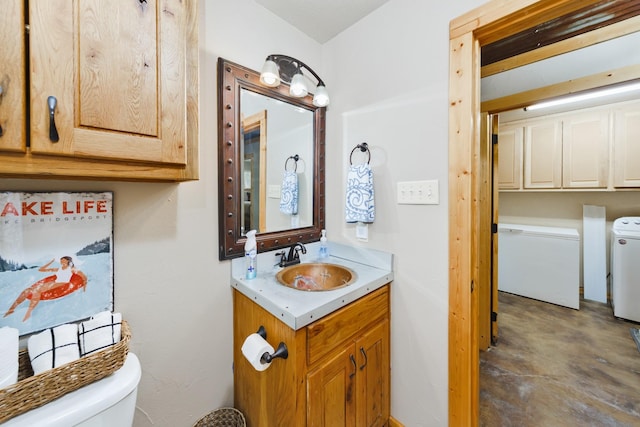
column 625, row 268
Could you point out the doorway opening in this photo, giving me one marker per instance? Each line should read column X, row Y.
column 480, row 27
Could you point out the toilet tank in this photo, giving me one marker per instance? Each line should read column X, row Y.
column 110, row 401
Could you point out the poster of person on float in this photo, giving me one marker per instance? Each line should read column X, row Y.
column 56, row 258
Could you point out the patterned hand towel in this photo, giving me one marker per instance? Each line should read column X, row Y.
column 289, row 193
column 53, row 347
column 360, row 206
column 100, row 331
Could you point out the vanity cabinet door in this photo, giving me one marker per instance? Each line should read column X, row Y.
column 372, row 378
column 12, row 78
column 331, row 390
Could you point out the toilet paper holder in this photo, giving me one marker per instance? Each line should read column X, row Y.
column 281, row 352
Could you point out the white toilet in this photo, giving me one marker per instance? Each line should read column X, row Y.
column 109, row 402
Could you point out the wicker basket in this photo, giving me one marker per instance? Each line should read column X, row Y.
column 223, row 417
column 32, row 391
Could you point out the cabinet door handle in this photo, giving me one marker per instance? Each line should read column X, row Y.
column 53, row 132
column 364, row 354
column 355, row 366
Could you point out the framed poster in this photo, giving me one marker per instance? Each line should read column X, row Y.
column 56, row 258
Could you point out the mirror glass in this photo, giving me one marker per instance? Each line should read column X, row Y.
column 271, row 163
column 277, row 145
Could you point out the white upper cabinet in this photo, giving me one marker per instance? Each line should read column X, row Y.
column 585, row 150
column 543, row 154
column 510, row 157
column 626, row 146
column 591, row 149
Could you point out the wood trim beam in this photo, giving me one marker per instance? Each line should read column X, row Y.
column 499, row 19
column 463, row 351
column 610, row 32
column 523, row 99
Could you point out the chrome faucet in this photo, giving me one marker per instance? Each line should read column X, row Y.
column 293, row 257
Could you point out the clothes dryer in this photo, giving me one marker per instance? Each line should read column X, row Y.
column 625, row 268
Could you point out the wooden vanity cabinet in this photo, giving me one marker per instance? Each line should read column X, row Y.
column 124, row 76
column 337, row 372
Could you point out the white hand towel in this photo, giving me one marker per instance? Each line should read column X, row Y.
column 289, row 193
column 360, row 206
column 9, row 342
column 53, row 347
column 100, row 331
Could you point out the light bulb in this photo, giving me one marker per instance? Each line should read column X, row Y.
column 298, row 87
column 270, row 76
column 321, row 97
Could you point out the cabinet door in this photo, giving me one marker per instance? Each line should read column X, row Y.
column 117, row 72
column 626, row 140
column 510, row 157
column 331, row 391
column 543, row 154
column 585, row 150
column 12, row 77
column 372, row 379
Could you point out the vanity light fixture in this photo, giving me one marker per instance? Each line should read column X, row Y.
column 614, row 90
column 283, row 68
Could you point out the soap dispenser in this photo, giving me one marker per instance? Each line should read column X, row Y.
column 324, row 251
column 251, row 255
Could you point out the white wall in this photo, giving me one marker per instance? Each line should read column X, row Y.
column 388, row 80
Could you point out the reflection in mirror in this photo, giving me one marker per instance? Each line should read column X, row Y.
column 271, row 163
column 290, row 133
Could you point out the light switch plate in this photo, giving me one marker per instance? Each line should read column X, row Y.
column 362, row 232
column 418, row 192
column 273, row 191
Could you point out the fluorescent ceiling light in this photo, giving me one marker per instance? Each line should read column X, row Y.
column 584, row 97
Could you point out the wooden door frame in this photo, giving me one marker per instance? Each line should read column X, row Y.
column 493, row 21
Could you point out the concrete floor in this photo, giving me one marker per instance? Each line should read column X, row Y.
column 555, row 366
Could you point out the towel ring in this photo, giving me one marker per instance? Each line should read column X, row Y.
column 295, row 159
column 364, row 148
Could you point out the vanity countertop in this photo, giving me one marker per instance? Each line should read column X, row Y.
column 298, row 308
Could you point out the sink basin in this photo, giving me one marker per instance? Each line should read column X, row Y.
column 316, row 276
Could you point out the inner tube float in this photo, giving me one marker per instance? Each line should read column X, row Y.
column 76, row 282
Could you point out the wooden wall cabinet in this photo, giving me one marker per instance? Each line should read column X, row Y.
column 337, row 372
column 124, row 76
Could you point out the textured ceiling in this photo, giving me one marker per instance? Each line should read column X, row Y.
column 321, row 19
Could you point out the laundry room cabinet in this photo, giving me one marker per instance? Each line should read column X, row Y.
column 568, row 151
column 626, row 146
column 543, row 154
column 510, row 140
column 99, row 90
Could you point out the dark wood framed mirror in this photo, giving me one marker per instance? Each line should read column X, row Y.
column 290, row 127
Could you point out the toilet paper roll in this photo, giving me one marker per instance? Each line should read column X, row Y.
column 253, row 348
